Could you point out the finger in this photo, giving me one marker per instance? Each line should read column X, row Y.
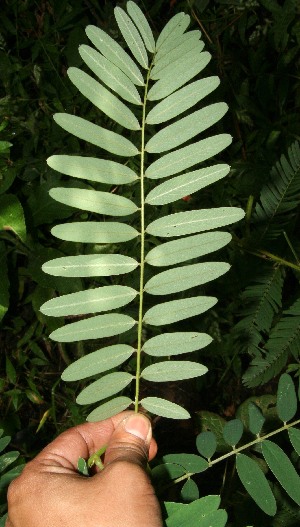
column 130, row 441
column 81, row 441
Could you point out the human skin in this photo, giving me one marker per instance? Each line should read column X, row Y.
column 51, row 493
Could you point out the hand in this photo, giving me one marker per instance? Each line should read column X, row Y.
column 51, row 493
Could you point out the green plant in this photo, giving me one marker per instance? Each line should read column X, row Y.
column 261, row 464
column 176, row 58
column 6, row 476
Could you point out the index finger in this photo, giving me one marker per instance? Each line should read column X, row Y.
column 81, row 441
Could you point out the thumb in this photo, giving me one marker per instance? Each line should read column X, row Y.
column 130, row 441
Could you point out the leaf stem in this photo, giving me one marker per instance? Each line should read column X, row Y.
column 259, row 439
column 142, row 258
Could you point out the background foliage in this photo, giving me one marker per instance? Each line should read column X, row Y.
column 255, row 50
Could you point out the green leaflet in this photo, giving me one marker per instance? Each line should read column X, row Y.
column 95, row 232
column 256, row 419
column 89, row 301
column 115, row 53
column 103, row 99
column 182, row 223
column 173, row 371
column 182, row 278
column 176, row 343
column 190, row 462
column 110, row 74
column 177, row 251
column 172, row 31
column 4, row 283
column 175, row 310
column 12, row 216
column 142, row 24
column 186, row 70
column 286, row 398
column 96, row 135
column 189, row 491
column 90, row 265
column 164, row 408
column 181, row 131
column 197, row 515
column 256, row 483
column 94, row 201
column 131, row 37
column 96, row 327
column 99, row 170
column 175, row 60
column 282, row 469
column 104, row 387
column 206, row 444
column 97, row 362
column 233, row 431
column 203, row 506
column 106, row 410
column 186, row 184
column 294, row 435
column 184, row 45
column 182, row 100
column 187, row 156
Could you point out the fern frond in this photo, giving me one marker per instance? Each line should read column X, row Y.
column 280, row 196
column 142, row 74
column 261, row 301
column 284, row 341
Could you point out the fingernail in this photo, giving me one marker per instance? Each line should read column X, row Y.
column 138, row 426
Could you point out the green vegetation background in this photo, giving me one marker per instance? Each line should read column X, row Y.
column 255, row 52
